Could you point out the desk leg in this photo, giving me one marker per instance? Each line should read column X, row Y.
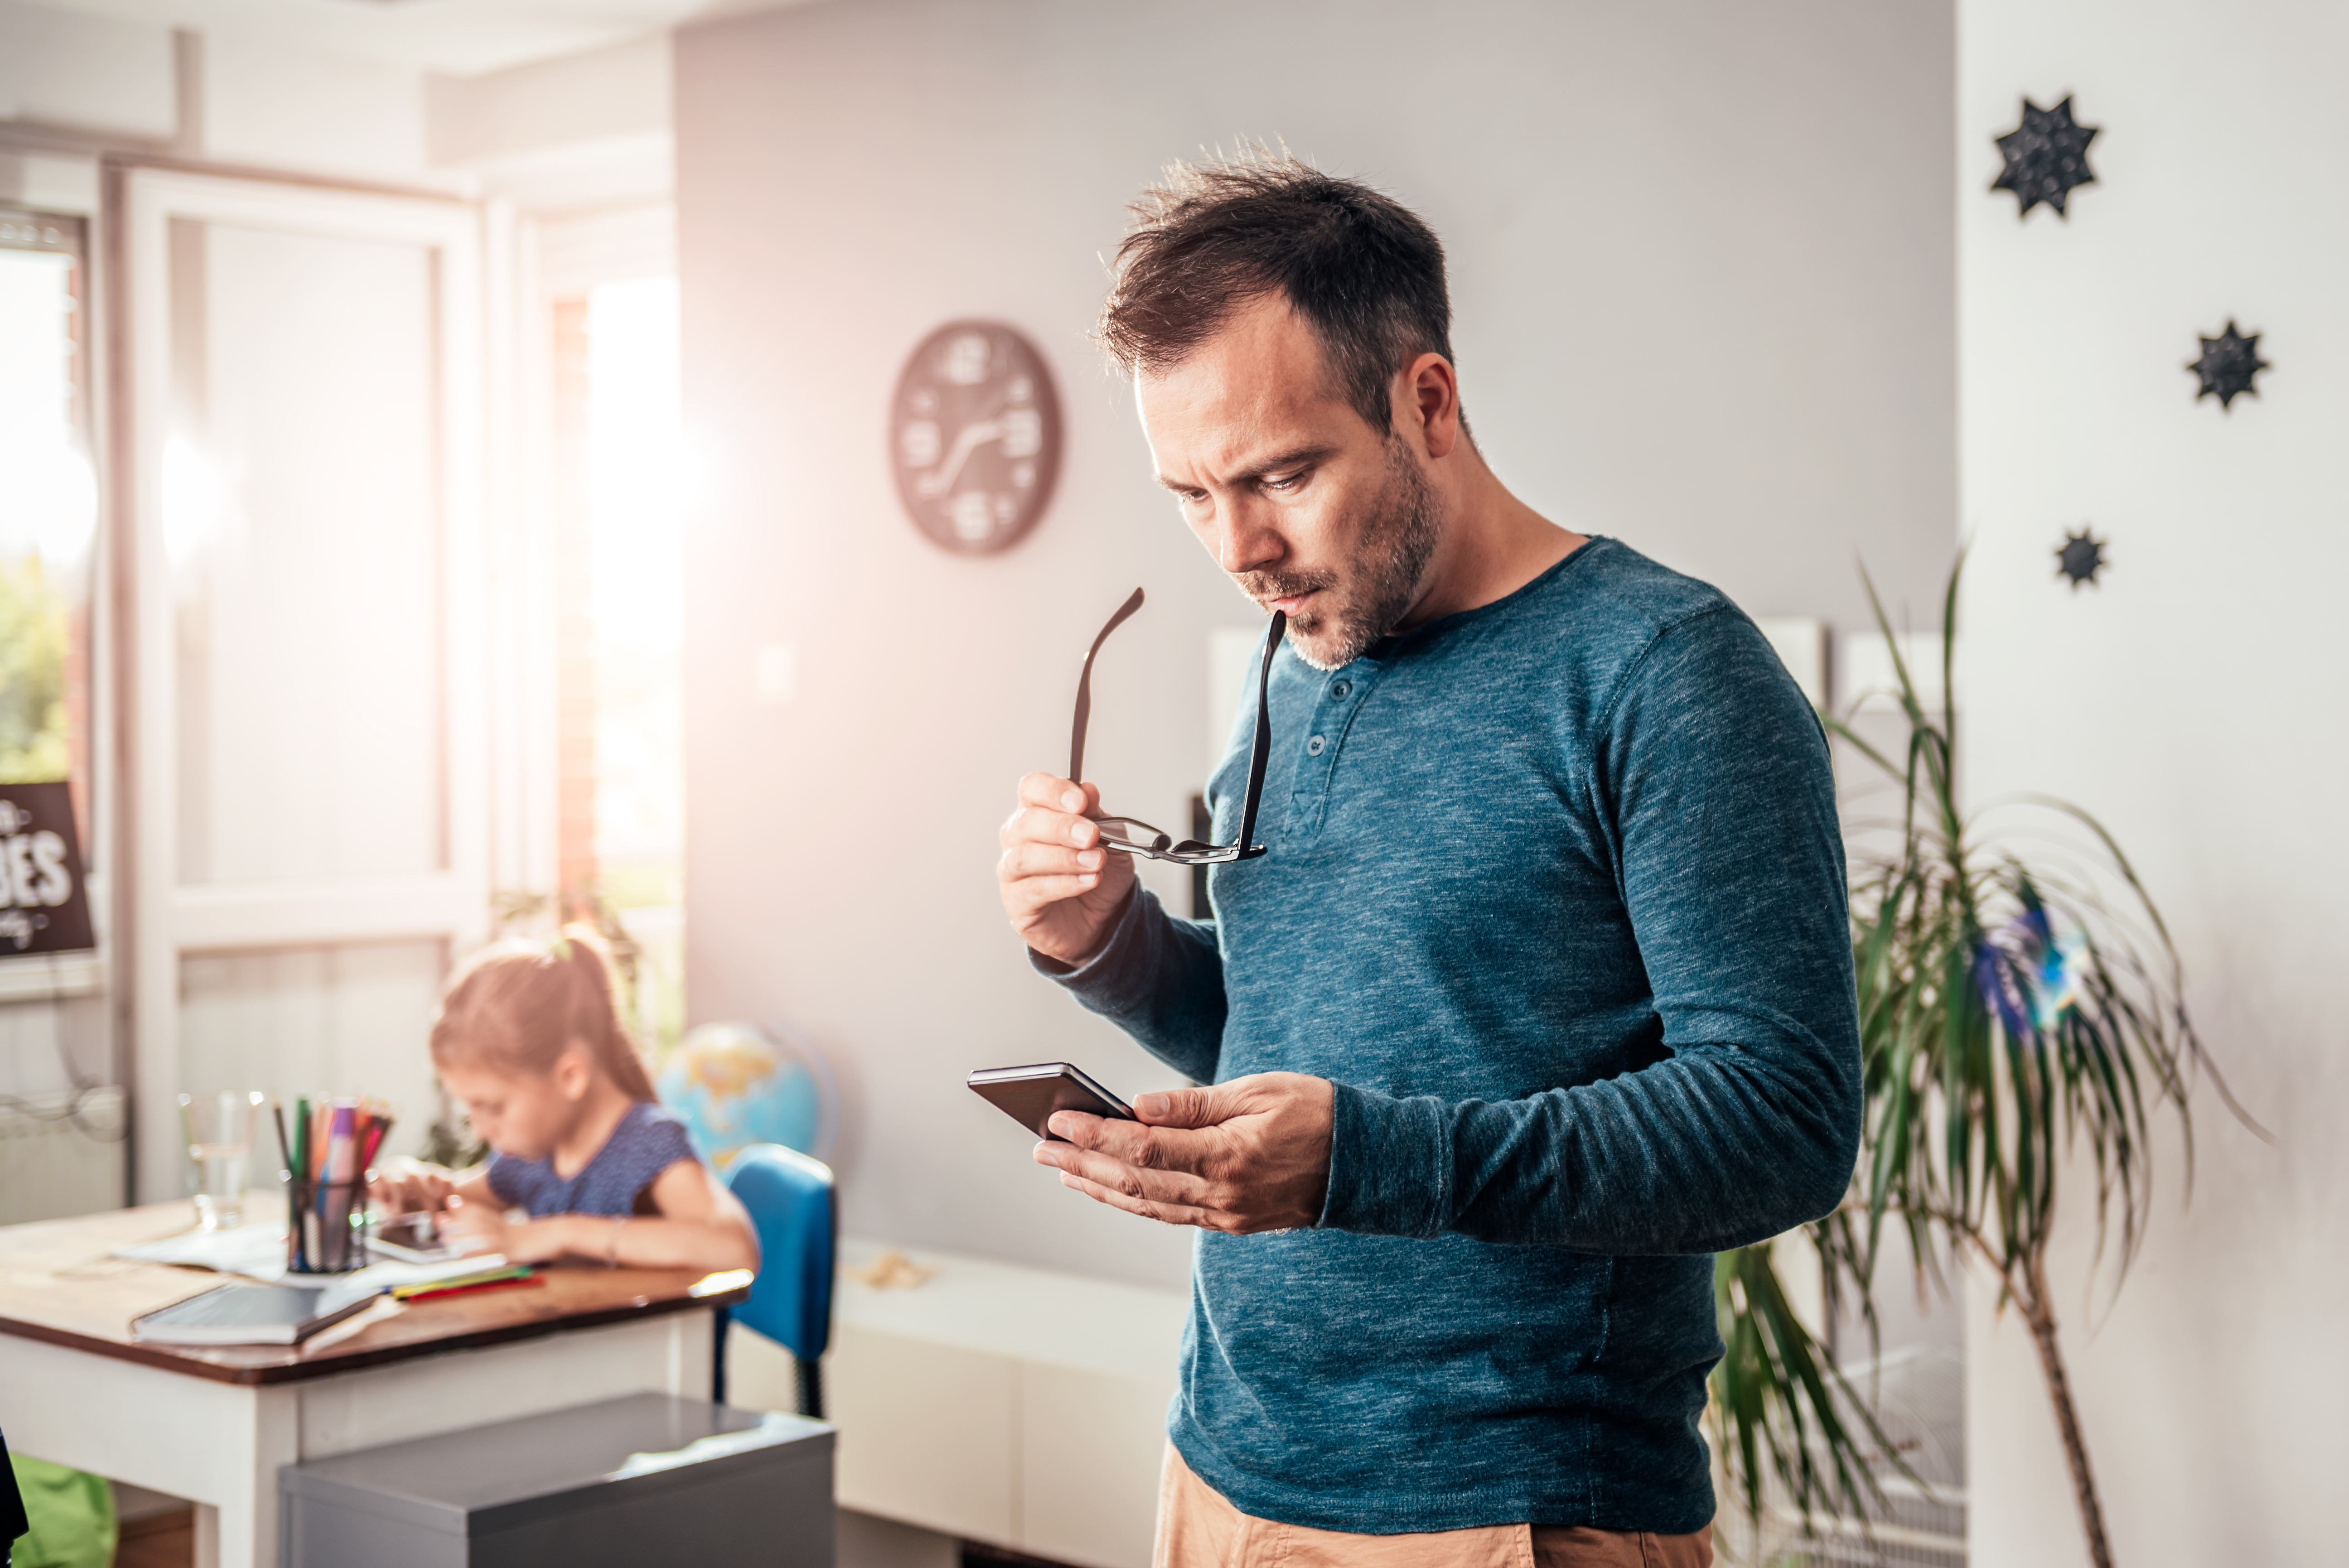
column 241, row 1530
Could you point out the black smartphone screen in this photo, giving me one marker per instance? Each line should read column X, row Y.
column 1030, row 1094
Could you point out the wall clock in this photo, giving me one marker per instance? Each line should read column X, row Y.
column 975, row 436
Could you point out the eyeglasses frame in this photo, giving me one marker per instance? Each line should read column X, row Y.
column 1189, row 852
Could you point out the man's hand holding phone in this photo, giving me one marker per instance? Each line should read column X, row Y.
column 1249, row 1155
column 1061, row 889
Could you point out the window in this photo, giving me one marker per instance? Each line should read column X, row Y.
column 621, row 499
column 48, row 506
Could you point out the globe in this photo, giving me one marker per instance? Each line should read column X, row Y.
column 738, row 1083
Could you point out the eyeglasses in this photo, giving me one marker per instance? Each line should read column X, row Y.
column 1132, row 837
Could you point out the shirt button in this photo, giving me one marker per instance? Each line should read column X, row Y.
column 1341, row 691
column 1313, row 746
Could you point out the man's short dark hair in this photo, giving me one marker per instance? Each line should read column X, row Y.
column 1214, row 237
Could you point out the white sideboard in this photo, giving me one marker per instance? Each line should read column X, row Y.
column 1003, row 1404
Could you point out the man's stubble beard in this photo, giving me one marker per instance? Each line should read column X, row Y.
column 1389, row 576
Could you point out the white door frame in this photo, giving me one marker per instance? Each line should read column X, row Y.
column 165, row 919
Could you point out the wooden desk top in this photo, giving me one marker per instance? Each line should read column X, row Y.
column 58, row 1285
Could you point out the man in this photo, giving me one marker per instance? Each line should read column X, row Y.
column 1543, row 992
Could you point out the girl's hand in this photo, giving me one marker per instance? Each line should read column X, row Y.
column 411, row 1187
column 483, row 1228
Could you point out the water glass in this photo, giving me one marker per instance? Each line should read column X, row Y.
column 219, row 1129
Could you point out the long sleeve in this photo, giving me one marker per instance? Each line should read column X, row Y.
column 1159, row 979
column 1711, row 783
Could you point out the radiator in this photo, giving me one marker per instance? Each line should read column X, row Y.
column 50, row 1166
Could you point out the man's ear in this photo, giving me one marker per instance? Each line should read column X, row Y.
column 1429, row 393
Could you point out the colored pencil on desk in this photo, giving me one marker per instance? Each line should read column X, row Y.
column 284, row 1151
column 436, row 1292
column 469, row 1276
column 502, row 1274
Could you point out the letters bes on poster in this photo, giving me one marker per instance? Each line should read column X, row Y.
column 44, row 904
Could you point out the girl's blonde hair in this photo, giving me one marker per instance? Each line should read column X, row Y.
column 516, row 1005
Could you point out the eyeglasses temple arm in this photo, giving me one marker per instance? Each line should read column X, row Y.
column 1085, row 689
column 1262, row 748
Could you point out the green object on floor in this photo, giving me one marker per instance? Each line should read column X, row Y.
column 72, row 1517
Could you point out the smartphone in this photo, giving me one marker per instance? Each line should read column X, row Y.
column 1030, row 1094
column 410, row 1239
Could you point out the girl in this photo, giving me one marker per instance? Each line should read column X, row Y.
column 529, row 1039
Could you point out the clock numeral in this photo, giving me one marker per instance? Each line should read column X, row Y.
column 966, row 358
column 973, row 512
column 920, row 443
column 1023, row 432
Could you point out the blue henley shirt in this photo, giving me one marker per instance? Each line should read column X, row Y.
column 1556, row 898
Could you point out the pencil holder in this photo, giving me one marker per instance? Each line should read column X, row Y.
column 325, row 1225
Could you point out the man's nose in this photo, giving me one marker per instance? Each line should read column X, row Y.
column 1243, row 545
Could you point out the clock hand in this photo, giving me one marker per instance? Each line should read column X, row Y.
column 941, row 479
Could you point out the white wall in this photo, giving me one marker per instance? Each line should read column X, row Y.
column 86, row 73
column 584, row 130
column 2192, row 701
column 1702, row 270
column 268, row 105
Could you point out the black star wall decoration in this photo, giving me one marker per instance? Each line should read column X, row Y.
column 2081, row 557
column 2229, row 363
column 2046, row 156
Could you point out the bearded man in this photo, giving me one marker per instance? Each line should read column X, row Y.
column 1542, row 993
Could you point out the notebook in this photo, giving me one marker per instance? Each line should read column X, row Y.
column 249, row 1313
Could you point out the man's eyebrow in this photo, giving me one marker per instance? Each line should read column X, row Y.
column 1300, row 457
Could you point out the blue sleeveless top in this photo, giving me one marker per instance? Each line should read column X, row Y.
column 648, row 1141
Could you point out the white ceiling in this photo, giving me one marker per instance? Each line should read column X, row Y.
column 458, row 37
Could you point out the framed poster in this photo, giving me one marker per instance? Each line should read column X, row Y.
column 44, row 898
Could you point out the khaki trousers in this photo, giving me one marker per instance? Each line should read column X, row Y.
column 1198, row 1529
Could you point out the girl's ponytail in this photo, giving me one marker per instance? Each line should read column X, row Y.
column 595, row 1012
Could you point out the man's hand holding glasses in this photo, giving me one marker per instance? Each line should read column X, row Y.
column 1061, row 889
column 1067, row 868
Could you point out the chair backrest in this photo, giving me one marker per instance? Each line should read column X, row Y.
column 790, row 1197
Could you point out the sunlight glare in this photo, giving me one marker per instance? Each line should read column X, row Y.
column 50, row 505
column 640, row 477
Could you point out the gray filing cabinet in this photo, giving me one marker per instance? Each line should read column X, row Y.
column 642, row 1480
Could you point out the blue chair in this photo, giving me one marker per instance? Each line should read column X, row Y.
column 792, row 1204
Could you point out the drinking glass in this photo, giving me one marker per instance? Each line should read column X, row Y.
column 219, row 1129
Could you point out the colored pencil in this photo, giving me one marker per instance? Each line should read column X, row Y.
column 469, row 1289
column 379, row 1128
column 489, row 1280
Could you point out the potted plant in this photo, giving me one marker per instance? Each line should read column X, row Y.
column 2020, row 1007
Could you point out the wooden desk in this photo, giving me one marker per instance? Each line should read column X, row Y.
column 214, row 1423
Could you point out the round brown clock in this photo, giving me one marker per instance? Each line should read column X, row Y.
column 975, row 436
